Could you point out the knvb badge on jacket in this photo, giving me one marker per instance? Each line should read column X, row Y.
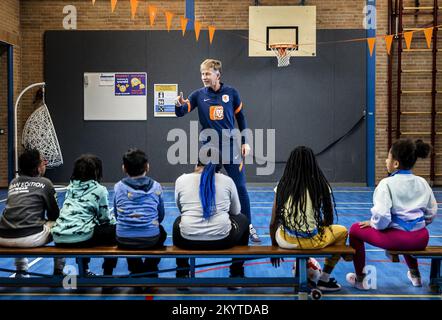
column 216, row 113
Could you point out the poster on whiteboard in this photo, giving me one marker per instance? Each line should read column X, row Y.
column 115, row 96
column 130, row 84
column 164, row 100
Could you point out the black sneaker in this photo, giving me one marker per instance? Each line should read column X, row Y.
column 180, row 275
column 59, row 273
column 236, row 287
column 108, row 272
column 107, row 290
column 311, row 283
column 233, row 288
column 137, row 274
column 89, row 273
column 152, row 273
column 22, row 274
column 253, row 234
column 331, row 285
column 140, row 290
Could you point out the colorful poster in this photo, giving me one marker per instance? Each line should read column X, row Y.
column 164, row 100
column 130, row 84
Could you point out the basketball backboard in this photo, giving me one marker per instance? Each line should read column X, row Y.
column 282, row 24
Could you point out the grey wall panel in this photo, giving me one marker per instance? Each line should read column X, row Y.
column 349, row 103
column 312, row 102
column 68, row 56
column 175, row 59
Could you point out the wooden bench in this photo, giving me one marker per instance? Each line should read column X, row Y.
column 245, row 252
column 431, row 252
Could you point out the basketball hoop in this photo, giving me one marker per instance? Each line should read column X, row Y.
column 283, row 52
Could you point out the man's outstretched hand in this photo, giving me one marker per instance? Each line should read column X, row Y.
column 179, row 101
column 245, row 150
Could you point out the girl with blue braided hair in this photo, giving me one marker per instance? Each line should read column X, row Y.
column 210, row 214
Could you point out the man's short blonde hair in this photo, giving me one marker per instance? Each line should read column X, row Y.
column 211, row 63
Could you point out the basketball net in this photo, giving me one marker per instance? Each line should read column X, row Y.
column 39, row 133
column 283, row 53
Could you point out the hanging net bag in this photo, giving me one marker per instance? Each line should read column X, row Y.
column 39, row 133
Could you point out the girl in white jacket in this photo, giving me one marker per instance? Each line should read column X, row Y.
column 403, row 205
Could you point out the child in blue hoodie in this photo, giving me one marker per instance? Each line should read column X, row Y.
column 139, row 210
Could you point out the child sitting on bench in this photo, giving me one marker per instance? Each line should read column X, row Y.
column 139, row 210
column 403, row 205
column 303, row 212
column 210, row 214
column 84, row 219
column 31, row 210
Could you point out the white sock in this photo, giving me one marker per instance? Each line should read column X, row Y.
column 324, row 277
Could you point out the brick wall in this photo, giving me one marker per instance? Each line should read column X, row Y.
column 3, row 120
column 36, row 16
column 9, row 19
column 381, row 89
column 330, row 14
column 9, row 33
column 415, row 126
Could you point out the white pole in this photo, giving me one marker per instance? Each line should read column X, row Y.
column 40, row 84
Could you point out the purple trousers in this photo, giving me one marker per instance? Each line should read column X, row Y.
column 388, row 239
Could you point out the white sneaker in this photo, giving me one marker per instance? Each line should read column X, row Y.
column 253, row 234
column 415, row 281
column 351, row 279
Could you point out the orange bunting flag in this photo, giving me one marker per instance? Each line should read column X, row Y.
column 113, row 4
column 388, row 42
column 169, row 16
column 152, row 11
column 133, row 7
column 371, row 42
column 184, row 24
column 197, row 29
column 408, row 36
column 211, row 33
column 428, row 35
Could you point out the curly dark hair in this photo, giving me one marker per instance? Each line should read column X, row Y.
column 406, row 152
column 87, row 167
column 28, row 162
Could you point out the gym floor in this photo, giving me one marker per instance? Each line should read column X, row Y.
column 352, row 204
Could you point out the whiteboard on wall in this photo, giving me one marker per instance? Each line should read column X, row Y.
column 115, row 95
